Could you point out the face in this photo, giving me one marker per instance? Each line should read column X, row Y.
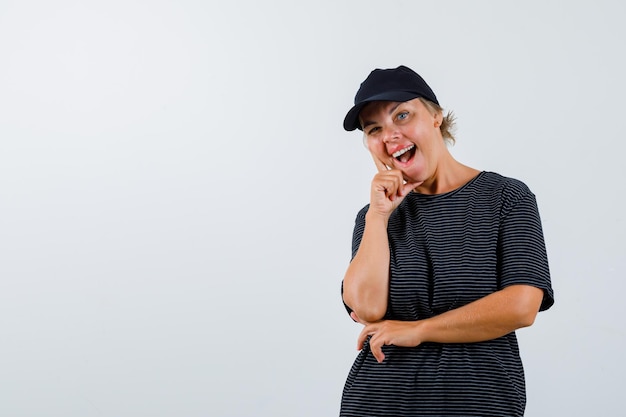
column 404, row 136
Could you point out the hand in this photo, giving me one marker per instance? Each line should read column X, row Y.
column 388, row 332
column 388, row 189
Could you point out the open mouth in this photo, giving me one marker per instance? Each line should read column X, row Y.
column 404, row 155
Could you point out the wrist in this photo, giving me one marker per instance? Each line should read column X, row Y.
column 373, row 217
column 421, row 330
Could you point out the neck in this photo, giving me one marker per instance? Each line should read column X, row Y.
column 449, row 175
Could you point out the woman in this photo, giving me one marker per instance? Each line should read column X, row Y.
column 448, row 262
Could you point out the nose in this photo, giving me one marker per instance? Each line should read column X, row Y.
column 391, row 135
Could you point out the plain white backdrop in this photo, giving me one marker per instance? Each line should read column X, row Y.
column 177, row 193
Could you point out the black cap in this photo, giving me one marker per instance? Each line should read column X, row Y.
column 395, row 84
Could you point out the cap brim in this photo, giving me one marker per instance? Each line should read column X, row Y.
column 351, row 121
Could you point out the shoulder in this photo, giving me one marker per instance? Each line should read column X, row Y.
column 508, row 194
column 507, row 188
column 498, row 181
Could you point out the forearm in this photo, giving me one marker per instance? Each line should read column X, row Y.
column 487, row 318
column 366, row 283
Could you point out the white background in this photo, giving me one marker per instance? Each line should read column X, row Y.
column 177, row 193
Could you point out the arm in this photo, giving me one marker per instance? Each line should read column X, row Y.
column 366, row 283
column 488, row 318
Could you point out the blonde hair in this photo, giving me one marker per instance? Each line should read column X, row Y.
column 448, row 123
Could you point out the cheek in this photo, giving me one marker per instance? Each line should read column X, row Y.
column 378, row 149
column 371, row 145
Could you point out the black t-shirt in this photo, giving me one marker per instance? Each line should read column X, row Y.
column 448, row 250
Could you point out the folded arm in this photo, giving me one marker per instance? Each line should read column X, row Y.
column 488, row 318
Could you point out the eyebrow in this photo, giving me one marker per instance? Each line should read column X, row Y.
column 370, row 122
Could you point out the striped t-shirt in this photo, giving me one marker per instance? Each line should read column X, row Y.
column 448, row 250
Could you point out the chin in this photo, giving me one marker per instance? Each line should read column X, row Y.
column 413, row 176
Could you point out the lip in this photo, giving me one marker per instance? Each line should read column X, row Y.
column 399, row 164
column 399, row 148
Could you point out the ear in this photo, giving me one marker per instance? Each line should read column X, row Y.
column 438, row 119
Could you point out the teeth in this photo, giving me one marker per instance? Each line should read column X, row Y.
column 403, row 151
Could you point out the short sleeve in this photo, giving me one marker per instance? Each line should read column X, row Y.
column 522, row 256
column 357, row 235
column 359, row 227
